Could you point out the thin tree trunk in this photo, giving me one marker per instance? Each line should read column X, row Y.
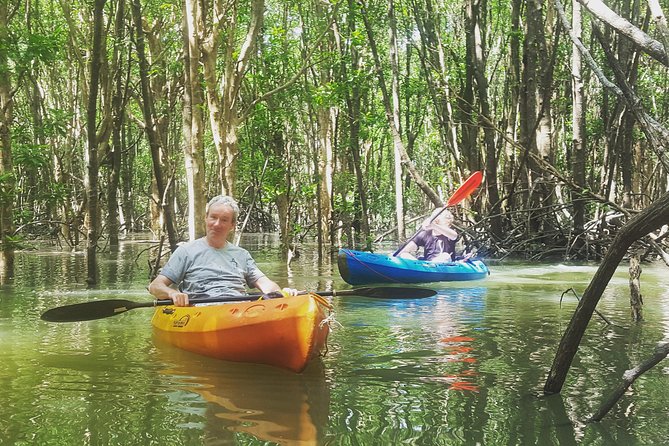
column 223, row 97
column 397, row 148
column 636, row 301
column 6, row 165
column 578, row 123
column 661, row 352
column 476, row 13
column 433, row 61
column 118, row 113
column 642, row 40
column 660, row 22
column 353, row 102
column 325, row 116
column 91, row 153
column 193, row 119
column 152, row 130
column 513, row 82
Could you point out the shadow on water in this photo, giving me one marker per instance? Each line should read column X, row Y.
column 266, row 402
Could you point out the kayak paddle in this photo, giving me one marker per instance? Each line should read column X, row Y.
column 99, row 309
column 463, row 192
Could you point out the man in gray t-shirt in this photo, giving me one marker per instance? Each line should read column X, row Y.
column 212, row 266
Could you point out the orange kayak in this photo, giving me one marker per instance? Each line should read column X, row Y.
column 285, row 332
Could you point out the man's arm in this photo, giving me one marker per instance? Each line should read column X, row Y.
column 161, row 288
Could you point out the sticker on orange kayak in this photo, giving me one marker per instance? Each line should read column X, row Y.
column 181, row 322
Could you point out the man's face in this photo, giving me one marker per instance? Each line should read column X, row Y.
column 220, row 221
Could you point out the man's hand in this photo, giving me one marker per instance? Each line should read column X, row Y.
column 180, row 299
column 284, row 292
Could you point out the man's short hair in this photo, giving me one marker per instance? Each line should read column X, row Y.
column 224, row 200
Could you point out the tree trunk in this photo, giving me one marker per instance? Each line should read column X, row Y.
column 118, row 113
column 152, row 131
column 631, row 375
column 353, row 103
column 7, row 178
column 648, row 220
column 193, row 119
column 642, row 40
column 433, row 61
column 660, row 23
column 578, row 125
column 397, row 148
column 636, row 301
column 91, row 153
column 326, row 120
column 476, row 13
column 224, row 114
column 513, row 85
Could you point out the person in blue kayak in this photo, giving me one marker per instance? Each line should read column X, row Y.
column 436, row 237
column 211, row 265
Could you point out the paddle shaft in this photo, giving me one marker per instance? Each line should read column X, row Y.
column 111, row 307
column 375, row 292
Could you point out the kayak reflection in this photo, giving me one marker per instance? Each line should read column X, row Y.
column 268, row 403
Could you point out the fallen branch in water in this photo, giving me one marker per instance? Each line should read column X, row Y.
column 579, row 299
column 661, row 352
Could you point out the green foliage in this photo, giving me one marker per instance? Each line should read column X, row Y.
column 7, row 186
column 30, row 156
column 47, row 66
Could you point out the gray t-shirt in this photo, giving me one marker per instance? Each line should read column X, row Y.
column 200, row 270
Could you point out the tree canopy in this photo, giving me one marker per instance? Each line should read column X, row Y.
column 344, row 121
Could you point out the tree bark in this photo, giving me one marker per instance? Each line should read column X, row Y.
column 193, row 119
column 223, row 97
column 636, row 301
column 7, row 178
column 353, row 104
column 118, row 113
column 152, row 131
column 476, row 13
column 433, row 61
column 395, row 105
column 578, row 123
column 660, row 22
column 647, row 221
column 642, row 40
column 91, row 153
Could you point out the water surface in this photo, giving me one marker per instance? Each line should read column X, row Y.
column 464, row 367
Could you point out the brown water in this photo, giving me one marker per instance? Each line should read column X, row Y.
column 461, row 368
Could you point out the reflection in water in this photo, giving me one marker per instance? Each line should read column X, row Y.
column 459, row 350
column 464, row 305
column 269, row 403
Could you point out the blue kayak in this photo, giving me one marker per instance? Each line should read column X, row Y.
column 358, row 268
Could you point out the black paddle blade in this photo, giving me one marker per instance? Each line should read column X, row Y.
column 89, row 311
column 389, row 292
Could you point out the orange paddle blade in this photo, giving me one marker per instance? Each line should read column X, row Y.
column 466, row 189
